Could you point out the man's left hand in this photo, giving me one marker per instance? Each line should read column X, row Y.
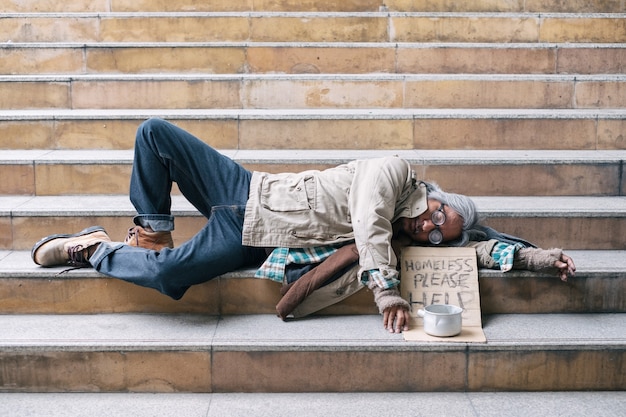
column 565, row 266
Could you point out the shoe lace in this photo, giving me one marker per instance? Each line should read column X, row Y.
column 77, row 258
column 132, row 235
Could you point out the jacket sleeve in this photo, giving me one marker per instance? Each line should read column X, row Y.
column 483, row 253
column 531, row 259
column 379, row 185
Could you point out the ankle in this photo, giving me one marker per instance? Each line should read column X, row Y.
column 90, row 250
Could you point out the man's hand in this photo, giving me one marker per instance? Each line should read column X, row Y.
column 565, row 266
column 396, row 319
column 547, row 260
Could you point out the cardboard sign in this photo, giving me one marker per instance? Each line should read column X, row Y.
column 442, row 276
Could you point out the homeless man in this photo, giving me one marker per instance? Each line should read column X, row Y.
column 249, row 214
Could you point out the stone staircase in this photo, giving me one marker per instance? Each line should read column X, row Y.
column 521, row 104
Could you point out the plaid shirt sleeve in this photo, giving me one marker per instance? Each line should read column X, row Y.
column 378, row 278
column 504, row 254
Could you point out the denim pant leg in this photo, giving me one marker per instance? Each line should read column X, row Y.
column 217, row 186
column 164, row 153
column 215, row 250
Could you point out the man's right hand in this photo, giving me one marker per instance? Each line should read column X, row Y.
column 396, row 319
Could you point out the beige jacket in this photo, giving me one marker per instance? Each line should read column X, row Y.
column 356, row 201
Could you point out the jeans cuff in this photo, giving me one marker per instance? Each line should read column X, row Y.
column 104, row 249
column 156, row 222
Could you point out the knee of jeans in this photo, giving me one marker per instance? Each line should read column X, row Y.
column 147, row 127
column 175, row 293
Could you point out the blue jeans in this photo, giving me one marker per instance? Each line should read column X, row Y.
column 217, row 186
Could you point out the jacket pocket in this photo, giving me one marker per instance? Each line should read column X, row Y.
column 288, row 194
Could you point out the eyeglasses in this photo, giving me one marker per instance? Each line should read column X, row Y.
column 438, row 218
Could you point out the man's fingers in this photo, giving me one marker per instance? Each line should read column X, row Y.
column 566, row 267
column 396, row 319
column 569, row 263
column 386, row 319
column 402, row 322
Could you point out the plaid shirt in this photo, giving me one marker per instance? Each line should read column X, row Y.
column 379, row 279
column 274, row 266
column 504, row 254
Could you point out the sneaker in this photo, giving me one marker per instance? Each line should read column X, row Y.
column 145, row 238
column 66, row 249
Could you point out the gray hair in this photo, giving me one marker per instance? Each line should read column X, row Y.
column 463, row 205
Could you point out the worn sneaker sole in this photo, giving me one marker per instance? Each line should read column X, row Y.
column 47, row 239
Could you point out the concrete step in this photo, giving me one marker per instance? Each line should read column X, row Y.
column 260, row 353
column 571, row 6
column 313, row 27
column 399, row 404
column 569, row 222
column 26, row 288
column 321, row 129
column 376, row 91
column 317, row 57
column 575, row 6
column 557, row 172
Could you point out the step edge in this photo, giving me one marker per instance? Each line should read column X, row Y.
column 331, row 156
column 489, row 206
column 311, row 114
column 221, row 337
column 590, row 264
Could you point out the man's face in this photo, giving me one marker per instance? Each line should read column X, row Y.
column 418, row 228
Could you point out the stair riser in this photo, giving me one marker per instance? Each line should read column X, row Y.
column 115, row 133
column 20, row 233
column 418, row 371
column 82, row 179
column 117, row 371
column 83, row 293
column 539, row 370
column 29, row 230
column 314, row 28
column 338, row 370
column 571, row 6
column 332, row 133
column 571, row 233
column 302, row 94
column 506, row 179
column 289, row 58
